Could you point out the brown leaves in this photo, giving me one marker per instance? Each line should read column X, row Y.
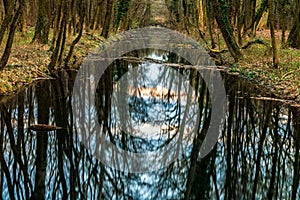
column 28, row 61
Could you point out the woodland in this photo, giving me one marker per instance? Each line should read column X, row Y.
column 257, row 39
column 254, row 43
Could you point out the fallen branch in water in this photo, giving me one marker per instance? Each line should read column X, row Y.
column 44, row 127
column 290, row 102
column 142, row 60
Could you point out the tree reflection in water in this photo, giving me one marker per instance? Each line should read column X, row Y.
column 257, row 155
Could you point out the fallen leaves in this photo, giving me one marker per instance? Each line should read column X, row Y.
column 28, row 61
column 284, row 82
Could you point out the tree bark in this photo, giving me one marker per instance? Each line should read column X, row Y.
column 294, row 36
column 42, row 27
column 272, row 30
column 9, row 12
column 60, row 40
column 105, row 30
column 226, row 29
column 82, row 17
column 9, row 43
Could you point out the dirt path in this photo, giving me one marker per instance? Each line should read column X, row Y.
column 159, row 11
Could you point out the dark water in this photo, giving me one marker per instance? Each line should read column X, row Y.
column 256, row 156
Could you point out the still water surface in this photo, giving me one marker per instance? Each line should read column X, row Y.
column 256, row 156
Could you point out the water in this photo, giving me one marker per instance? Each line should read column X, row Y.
column 256, row 156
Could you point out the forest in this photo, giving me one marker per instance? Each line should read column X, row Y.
column 39, row 37
column 62, row 124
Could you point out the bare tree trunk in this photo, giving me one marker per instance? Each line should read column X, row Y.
column 226, row 29
column 201, row 16
column 294, row 36
column 11, row 35
column 210, row 23
column 7, row 19
column 60, row 41
column 105, row 30
column 24, row 19
column 42, row 27
column 82, row 16
column 272, row 30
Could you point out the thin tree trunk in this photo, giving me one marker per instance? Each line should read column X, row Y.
column 210, row 23
column 82, row 16
column 42, row 27
column 11, row 35
column 105, row 30
column 294, row 36
column 24, row 19
column 201, row 16
column 7, row 19
column 60, row 41
column 272, row 30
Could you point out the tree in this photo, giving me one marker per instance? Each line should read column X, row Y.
column 221, row 17
column 272, row 30
column 42, row 27
column 81, row 24
column 11, row 35
column 9, row 12
column 107, row 19
column 294, row 36
column 62, row 18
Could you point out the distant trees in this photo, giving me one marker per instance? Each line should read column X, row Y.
column 238, row 21
column 60, row 19
column 63, row 18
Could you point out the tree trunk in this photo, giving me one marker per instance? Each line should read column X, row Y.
column 82, row 16
column 60, row 40
column 105, row 30
column 42, row 27
column 201, row 16
column 9, row 43
column 24, row 19
column 9, row 12
column 294, row 36
column 272, row 30
column 221, row 17
column 210, row 23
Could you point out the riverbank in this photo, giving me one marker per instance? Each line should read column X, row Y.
column 256, row 66
column 28, row 63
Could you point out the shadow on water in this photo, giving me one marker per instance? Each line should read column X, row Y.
column 257, row 154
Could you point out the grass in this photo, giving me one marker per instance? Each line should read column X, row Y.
column 257, row 66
